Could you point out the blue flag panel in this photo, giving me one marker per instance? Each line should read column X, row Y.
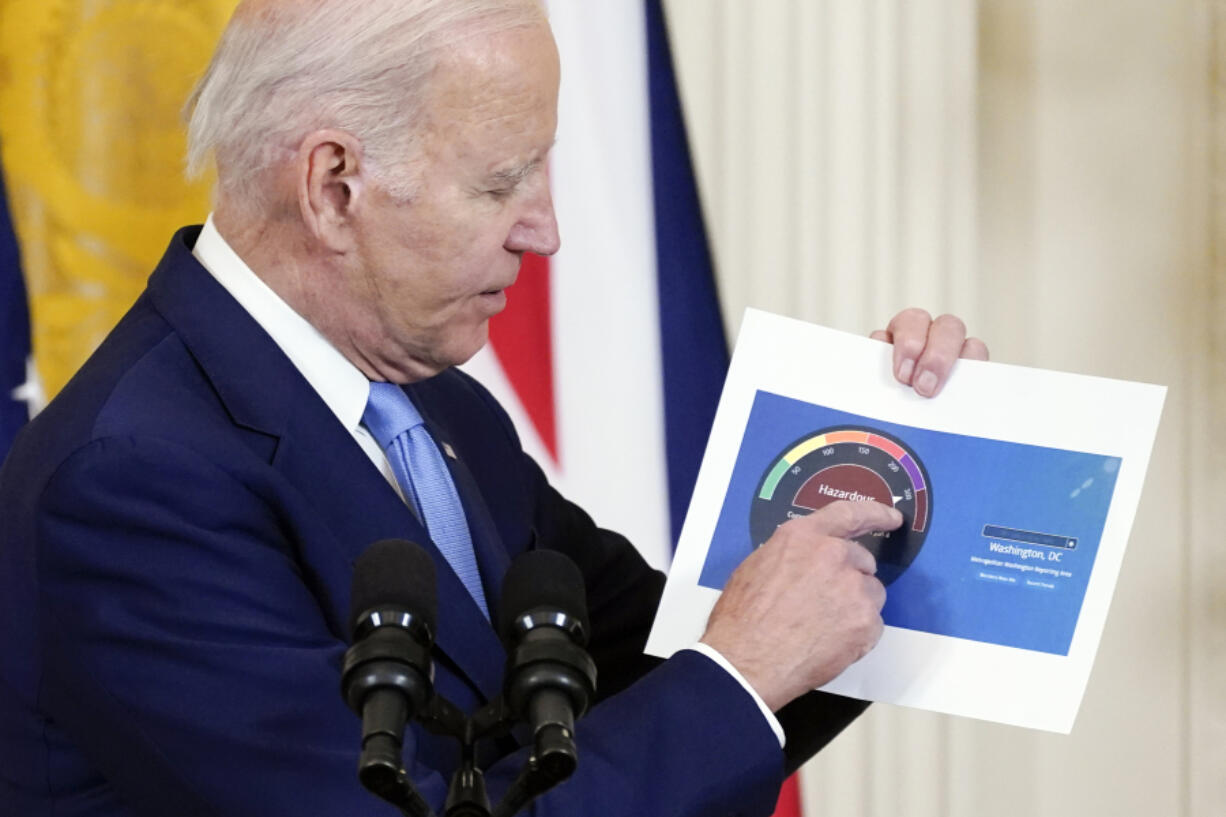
column 14, row 329
column 695, row 350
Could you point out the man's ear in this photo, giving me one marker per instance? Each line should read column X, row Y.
column 330, row 179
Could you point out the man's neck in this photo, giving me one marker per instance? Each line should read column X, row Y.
column 278, row 255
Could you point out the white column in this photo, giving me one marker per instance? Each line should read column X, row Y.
column 835, row 143
column 1205, row 713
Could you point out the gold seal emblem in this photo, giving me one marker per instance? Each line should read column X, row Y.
column 93, row 146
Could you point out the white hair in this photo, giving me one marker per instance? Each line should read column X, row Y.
column 285, row 69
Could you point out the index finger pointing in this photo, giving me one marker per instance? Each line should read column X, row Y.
column 846, row 519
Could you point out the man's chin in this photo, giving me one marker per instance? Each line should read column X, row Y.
column 463, row 351
column 423, row 363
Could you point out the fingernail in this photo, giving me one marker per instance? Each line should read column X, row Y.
column 926, row 384
column 904, row 371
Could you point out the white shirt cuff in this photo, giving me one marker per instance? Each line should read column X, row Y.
column 714, row 655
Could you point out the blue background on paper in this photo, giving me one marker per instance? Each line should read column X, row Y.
column 974, row 482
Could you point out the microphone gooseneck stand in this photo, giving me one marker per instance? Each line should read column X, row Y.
column 379, row 766
column 550, row 681
column 387, row 678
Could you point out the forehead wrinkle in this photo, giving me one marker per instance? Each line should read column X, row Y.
column 501, row 97
column 473, row 100
column 502, row 81
column 459, row 120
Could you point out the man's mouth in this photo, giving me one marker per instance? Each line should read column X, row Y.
column 495, row 300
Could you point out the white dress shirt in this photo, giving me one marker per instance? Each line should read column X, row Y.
column 341, row 385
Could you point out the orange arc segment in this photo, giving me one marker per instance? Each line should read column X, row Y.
column 847, row 437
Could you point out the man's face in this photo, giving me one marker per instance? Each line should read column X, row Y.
column 432, row 271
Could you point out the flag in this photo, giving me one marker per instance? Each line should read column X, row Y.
column 611, row 355
column 14, row 332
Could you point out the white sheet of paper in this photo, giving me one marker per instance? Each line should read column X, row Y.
column 1019, row 486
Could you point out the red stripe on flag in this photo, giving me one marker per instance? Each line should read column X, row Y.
column 522, row 339
column 789, row 799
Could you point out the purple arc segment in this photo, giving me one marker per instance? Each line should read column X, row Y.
column 917, row 479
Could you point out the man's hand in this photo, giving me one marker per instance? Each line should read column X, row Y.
column 805, row 605
column 925, row 349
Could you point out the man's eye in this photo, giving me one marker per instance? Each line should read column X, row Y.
column 500, row 192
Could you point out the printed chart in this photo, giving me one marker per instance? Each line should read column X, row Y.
column 1006, row 559
column 1017, row 489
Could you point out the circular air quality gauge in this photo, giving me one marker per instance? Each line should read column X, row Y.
column 848, row 462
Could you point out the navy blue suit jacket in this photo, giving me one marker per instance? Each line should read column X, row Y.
column 179, row 530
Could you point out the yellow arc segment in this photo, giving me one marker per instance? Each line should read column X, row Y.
column 822, row 440
column 809, row 445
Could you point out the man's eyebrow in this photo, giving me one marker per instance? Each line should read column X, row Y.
column 514, row 175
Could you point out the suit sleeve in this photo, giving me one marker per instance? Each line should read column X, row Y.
column 183, row 649
column 623, row 595
column 185, row 653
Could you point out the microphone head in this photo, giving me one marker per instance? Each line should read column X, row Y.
column 394, row 574
column 541, row 579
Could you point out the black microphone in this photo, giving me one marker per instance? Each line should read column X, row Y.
column 387, row 676
column 550, row 678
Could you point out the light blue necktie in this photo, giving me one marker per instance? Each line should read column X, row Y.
column 395, row 422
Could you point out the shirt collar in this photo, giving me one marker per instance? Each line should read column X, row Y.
column 342, row 385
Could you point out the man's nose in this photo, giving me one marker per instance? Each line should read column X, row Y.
column 536, row 229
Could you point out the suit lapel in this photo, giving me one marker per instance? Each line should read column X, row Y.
column 360, row 508
column 316, row 454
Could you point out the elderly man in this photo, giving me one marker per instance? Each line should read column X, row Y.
column 180, row 524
